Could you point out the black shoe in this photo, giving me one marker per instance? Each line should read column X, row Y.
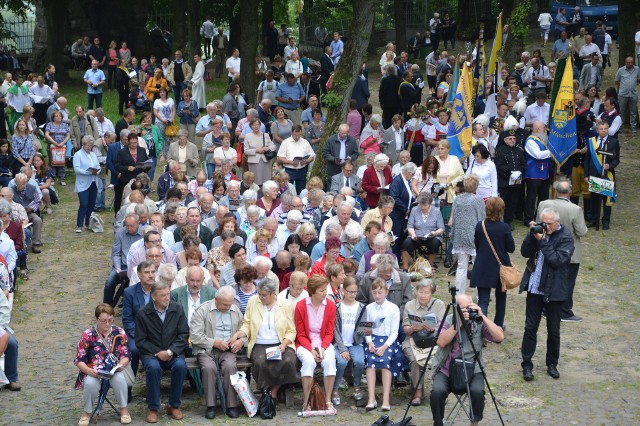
column 605, row 226
column 447, row 263
column 129, row 395
column 36, row 249
column 401, row 381
column 572, row 318
column 553, row 371
column 211, row 413
column 591, row 224
column 527, row 373
column 233, row 413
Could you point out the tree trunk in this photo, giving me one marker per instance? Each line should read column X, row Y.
column 180, row 26
column 400, row 21
column 51, row 38
column 194, row 41
column 518, row 33
column 626, row 29
column 249, row 43
column 344, row 78
column 267, row 16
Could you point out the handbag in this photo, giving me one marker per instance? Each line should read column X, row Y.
column 270, row 155
column 422, row 266
column 58, row 155
column 509, row 275
column 316, row 400
column 424, row 339
column 266, row 406
column 457, row 377
column 171, row 130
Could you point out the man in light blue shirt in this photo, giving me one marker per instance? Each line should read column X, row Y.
column 337, row 46
column 94, row 78
column 561, row 45
column 290, row 95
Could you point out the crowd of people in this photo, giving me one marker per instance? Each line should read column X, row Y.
column 242, row 252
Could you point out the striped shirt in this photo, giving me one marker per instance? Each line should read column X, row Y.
column 244, row 298
column 227, row 274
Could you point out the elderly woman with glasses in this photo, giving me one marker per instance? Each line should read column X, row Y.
column 375, row 178
column 429, row 311
column 425, row 228
column 102, row 347
column 332, row 255
column 86, row 168
column 371, row 136
column 270, row 329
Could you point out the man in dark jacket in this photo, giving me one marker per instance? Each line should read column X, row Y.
column 162, row 335
column 388, row 95
column 326, row 68
column 546, row 281
column 339, row 149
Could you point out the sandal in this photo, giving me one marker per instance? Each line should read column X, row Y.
column 24, row 274
column 335, row 397
column 371, row 407
column 125, row 419
column 416, row 402
column 329, row 406
column 84, row 420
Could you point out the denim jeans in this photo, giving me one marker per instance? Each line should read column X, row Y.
column 135, row 355
column 110, row 287
column 11, row 359
column 211, row 168
column 152, row 171
column 100, row 198
column 177, row 90
column 154, row 367
column 356, row 352
column 87, row 200
column 95, row 96
column 484, row 297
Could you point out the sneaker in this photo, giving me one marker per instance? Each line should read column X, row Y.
column 572, row 318
column 63, row 183
column 343, row 385
column 49, row 210
column 79, row 230
column 363, row 381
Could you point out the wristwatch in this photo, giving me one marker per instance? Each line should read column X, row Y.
column 170, row 353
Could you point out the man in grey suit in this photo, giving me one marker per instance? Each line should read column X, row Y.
column 212, row 327
column 394, row 139
column 346, row 178
column 572, row 218
column 591, row 73
column 194, row 294
column 340, row 148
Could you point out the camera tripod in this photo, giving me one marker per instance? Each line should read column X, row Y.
column 457, row 319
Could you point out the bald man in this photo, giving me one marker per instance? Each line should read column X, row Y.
column 339, row 149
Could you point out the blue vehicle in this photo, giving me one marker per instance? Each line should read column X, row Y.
column 593, row 11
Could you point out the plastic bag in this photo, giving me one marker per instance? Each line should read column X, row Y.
column 241, row 386
column 96, row 224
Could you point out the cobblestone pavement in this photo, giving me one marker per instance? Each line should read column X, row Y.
column 599, row 356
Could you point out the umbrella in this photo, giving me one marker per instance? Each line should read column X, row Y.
column 220, row 383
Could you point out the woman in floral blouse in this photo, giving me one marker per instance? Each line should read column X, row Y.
column 102, row 346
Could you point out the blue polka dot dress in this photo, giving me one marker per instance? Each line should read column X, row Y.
column 392, row 359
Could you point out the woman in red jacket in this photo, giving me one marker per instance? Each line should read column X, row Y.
column 375, row 178
column 315, row 318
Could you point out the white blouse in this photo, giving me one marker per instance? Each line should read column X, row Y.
column 488, row 178
column 389, row 327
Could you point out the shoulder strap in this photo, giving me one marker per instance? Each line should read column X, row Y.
column 490, row 244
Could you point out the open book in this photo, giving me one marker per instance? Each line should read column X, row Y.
column 427, row 319
column 108, row 373
column 145, row 165
column 366, row 327
column 273, row 353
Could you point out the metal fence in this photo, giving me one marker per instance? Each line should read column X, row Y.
column 21, row 37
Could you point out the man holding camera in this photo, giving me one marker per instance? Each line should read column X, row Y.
column 481, row 328
column 549, row 247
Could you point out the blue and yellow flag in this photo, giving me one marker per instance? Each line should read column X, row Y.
column 563, row 136
column 454, row 84
column 459, row 122
column 497, row 46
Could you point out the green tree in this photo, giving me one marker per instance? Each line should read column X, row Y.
column 518, row 32
column 626, row 29
column 344, row 78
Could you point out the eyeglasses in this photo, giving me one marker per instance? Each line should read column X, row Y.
column 352, row 292
column 105, row 321
column 334, row 252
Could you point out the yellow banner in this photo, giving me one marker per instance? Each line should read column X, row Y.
column 497, row 45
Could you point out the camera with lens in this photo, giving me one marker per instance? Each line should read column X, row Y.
column 474, row 315
column 437, row 190
column 538, row 228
